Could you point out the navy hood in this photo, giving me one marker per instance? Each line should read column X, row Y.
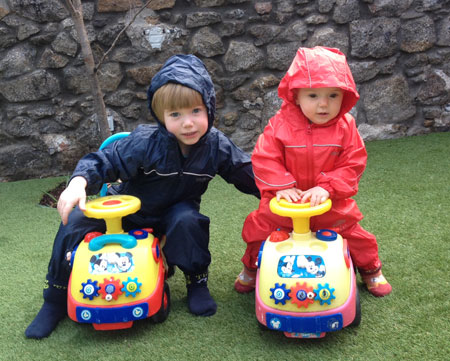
column 187, row 70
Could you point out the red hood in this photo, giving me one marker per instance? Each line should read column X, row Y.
column 319, row 67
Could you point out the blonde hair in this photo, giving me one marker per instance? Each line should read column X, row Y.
column 173, row 96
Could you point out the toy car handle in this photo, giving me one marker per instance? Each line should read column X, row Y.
column 299, row 212
column 125, row 240
column 112, row 209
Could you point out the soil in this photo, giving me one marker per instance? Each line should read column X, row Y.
column 50, row 198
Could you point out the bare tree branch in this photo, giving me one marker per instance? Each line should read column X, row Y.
column 121, row 32
column 76, row 10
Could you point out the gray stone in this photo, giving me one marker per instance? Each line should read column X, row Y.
column 46, row 35
column 417, row 35
column 264, row 34
column 346, row 11
column 279, row 56
column 245, row 138
column 40, row 10
column 243, row 56
column 38, row 85
column 41, row 111
column 389, row 7
column 203, row 18
column 22, row 161
column 376, row 37
column 443, row 32
column 143, row 74
column 378, row 131
column 108, row 34
column 387, row 100
column 363, row 71
column 18, row 60
column 271, row 105
column 110, row 76
column 21, row 127
column 263, row 8
column 206, row 43
column 208, row 3
column 129, row 55
column 231, row 83
column 120, row 98
column 50, row 59
column 232, row 28
column 327, row 36
column 7, row 37
column 133, row 111
column 64, row 43
column 316, row 19
column 435, row 90
column 26, row 30
column 297, row 31
column 76, row 79
column 325, row 6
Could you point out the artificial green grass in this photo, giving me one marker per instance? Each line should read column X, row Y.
column 404, row 197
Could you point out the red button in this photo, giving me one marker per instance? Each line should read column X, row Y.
column 326, row 233
column 111, row 202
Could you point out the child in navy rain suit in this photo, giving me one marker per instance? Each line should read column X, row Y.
column 168, row 167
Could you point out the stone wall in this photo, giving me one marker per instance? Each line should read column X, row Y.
column 398, row 50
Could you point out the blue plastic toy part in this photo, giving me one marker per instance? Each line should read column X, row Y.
column 326, row 235
column 106, row 142
column 72, row 255
column 111, row 315
column 125, row 240
column 131, row 287
column 89, row 289
column 138, row 233
column 324, row 294
column 280, row 294
column 314, row 324
column 260, row 254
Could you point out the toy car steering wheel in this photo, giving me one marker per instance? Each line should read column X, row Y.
column 112, row 209
column 299, row 212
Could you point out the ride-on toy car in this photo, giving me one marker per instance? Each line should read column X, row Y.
column 117, row 278
column 305, row 283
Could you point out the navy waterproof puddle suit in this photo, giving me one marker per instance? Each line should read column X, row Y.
column 170, row 186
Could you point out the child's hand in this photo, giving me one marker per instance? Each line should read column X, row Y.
column 316, row 196
column 74, row 194
column 291, row 194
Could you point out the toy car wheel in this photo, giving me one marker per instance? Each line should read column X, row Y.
column 357, row 320
column 163, row 312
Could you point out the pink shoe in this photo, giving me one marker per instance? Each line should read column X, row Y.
column 377, row 284
column 245, row 281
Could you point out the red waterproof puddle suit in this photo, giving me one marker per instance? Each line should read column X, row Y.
column 293, row 152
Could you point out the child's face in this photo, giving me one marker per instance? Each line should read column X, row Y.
column 187, row 124
column 320, row 105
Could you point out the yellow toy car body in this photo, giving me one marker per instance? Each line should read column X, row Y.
column 117, row 278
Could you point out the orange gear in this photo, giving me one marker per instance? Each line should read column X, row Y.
column 302, row 295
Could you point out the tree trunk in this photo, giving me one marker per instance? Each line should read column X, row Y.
column 76, row 11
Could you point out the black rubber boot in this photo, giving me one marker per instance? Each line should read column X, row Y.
column 200, row 302
column 53, row 310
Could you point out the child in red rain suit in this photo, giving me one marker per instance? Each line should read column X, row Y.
column 311, row 151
